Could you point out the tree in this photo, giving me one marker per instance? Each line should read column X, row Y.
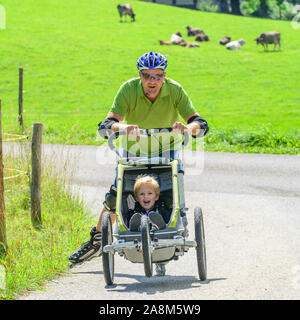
column 279, row 4
column 294, row 1
column 264, row 8
column 223, row 5
column 257, row 8
column 235, row 7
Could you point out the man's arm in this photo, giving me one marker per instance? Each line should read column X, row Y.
column 194, row 124
column 117, row 126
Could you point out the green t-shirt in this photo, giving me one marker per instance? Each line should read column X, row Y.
column 131, row 103
column 172, row 100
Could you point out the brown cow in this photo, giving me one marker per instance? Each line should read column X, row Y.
column 190, row 45
column 182, row 44
column 193, row 31
column 124, row 10
column 201, row 37
column 166, row 43
column 267, row 38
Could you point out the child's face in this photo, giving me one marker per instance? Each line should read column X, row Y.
column 146, row 196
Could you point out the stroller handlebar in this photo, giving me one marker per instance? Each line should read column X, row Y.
column 144, row 133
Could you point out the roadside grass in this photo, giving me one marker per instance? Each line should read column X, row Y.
column 76, row 55
column 262, row 140
column 36, row 256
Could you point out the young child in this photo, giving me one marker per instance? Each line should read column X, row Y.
column 146, row 192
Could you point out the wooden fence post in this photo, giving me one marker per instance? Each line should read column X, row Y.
column 36, row 175
column 20, row 117
column 3, row 243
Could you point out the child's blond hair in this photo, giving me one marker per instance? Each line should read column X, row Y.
column 146, row 179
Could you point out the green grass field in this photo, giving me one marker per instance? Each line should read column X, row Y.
column 76, row 54
column 35, row 256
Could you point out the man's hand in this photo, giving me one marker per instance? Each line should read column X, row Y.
column 133, row 131
column 179, row 127
column 193, row 128
column 130, row 129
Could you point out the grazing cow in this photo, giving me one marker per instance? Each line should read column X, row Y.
column 235, row 45
column 269, row 37
column 193, row 31
column 124, row 10
column 225, row 40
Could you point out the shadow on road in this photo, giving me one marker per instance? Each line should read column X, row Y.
column 154, row 284
column 157, row 284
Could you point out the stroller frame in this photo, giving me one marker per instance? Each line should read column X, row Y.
column 147, row 246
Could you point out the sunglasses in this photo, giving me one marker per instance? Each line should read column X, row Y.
column 155, row 77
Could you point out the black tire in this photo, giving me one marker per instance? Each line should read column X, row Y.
column 107, row 258
column 148, row 266
column 200, row 240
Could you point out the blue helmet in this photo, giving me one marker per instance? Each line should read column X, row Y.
column 152, row 60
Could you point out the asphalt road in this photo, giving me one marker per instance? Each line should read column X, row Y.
column 251, row 207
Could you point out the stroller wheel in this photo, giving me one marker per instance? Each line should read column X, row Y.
column 107, row 257
column 148, row 266
column 200, row 240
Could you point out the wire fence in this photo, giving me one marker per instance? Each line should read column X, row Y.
column 18, row 174
column 14, row 138
column 35, row 176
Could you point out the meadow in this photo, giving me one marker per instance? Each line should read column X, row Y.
column 35, row 256
column 76, row 54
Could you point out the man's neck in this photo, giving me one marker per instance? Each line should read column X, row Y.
column 151, row 98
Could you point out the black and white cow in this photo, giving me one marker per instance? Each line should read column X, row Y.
column 124, row 10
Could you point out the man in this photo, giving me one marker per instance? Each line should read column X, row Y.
column 149, row 101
